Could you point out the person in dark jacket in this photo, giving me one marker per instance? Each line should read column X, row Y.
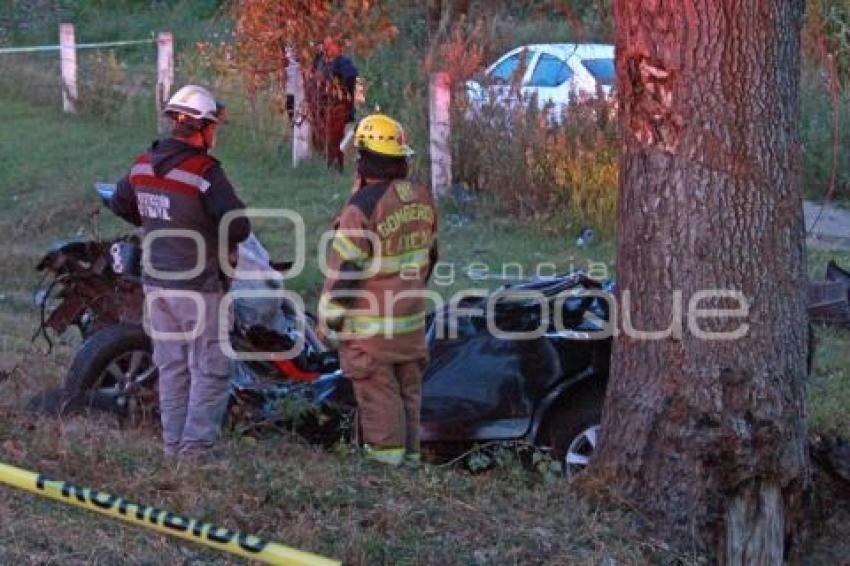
column 180, row 196
column 332, row 99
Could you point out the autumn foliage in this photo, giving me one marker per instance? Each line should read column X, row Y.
column 265, row 29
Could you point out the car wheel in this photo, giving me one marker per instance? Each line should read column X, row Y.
column 114, row 367
column 571, row 429
column 580, row 451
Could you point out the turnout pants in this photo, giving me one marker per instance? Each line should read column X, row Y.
column 389, row 397
column 194, row 384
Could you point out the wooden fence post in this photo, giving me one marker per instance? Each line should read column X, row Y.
column 68, row 63
column 164, row 75
column 440, row 129
column 302, row 145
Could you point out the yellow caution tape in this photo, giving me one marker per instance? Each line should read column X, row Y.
column 247, row 546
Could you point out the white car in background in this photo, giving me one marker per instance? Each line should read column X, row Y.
column 556, row 73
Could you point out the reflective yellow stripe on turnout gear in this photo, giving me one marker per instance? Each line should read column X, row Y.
column 398, row 263
column 390, row 456
column 348, row 250
column 330, row 309
column 412, row 459
column 384, row 325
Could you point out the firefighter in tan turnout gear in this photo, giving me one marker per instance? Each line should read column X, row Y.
column 379, row 263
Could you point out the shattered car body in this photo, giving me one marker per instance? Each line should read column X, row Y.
column 528, row 362
column 95, row 286
column 545, row 389
column 508, row 384
column 82, row 288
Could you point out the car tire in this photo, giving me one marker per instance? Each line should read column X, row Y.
column 571, row 426
column 89, row 383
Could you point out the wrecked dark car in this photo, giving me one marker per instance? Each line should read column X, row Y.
column 528, row 362
column 527, row 375
column 95, row 286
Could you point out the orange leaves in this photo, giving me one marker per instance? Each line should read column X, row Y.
column 461, row 54
column 266, row 29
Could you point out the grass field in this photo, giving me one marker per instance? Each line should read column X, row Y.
column 328, row 502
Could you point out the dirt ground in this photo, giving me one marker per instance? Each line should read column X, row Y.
column 827, row 227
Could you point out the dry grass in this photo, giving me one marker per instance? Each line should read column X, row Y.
column 331, row 502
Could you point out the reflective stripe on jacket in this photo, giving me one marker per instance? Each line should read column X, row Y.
column 173, row 202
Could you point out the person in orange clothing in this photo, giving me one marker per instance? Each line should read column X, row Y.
column 331, row 94
column 381, row 257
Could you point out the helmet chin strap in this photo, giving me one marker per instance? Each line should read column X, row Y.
column 207, row 146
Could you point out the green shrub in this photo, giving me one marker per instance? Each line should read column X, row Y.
column 816, row 130
column 561, row 175
column 103, row 85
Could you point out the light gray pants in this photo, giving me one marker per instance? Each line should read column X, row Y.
column 194, row 384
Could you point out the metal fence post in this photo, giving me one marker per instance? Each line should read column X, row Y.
column 68, row 62
column 440, row 98
column 164, row 74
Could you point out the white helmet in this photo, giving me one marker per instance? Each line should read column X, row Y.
column 196, row 102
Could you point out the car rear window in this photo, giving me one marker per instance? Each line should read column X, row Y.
column 602, row 70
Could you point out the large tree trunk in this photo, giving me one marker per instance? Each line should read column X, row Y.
column 708, row 435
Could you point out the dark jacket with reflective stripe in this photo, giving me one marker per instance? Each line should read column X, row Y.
column 176, row 186
column 386, row 234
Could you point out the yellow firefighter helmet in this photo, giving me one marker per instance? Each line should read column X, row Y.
column 381, row 134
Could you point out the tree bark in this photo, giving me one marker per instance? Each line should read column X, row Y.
column 707, row 435
column 435, row 15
